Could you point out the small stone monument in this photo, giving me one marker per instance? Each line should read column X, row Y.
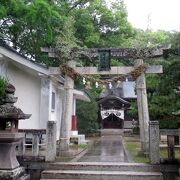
column 9, row 137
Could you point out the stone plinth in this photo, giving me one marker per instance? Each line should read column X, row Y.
column 8, row 143
column 78, row 139
column 154, row 140
column 9, row 166
column 14, row 174
column 51, row 141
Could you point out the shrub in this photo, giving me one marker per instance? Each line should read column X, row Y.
column 3, row 85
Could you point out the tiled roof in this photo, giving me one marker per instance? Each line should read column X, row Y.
column 5, row 45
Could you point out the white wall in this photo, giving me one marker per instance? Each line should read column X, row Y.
column 28, row 93
column 34, row 96
column 56, row 114
column 53, row 112
column 44, row 102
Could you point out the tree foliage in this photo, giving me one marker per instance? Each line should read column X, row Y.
column 163, row 100
column 87, row 114
column 3, row 85
column 144, row 39
column 29, row 25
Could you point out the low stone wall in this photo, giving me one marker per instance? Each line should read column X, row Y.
column 154, row 149
column 35, row 142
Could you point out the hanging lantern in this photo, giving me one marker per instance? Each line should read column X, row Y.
column 97, row 85
column 110, row 85
column 104, row 60
column 84, row 80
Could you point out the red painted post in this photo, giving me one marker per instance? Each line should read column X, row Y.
column 74, row 123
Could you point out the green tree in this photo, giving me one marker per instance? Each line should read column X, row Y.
column 3, row 85
column 87, row 114
column 163, row 101
column 144, row 39
column 29, row 25
column 100, row 26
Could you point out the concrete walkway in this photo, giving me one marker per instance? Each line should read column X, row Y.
column 107, row 148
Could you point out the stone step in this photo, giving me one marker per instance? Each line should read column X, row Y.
column 104, row 166
column 25, row 177
column 107, row 132
column 100, row 175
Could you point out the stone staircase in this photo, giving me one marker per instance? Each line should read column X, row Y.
column 102, row 171
column 107, row 132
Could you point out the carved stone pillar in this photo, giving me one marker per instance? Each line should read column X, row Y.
column 154, row 139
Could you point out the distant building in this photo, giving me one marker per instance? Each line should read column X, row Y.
column 114, row 104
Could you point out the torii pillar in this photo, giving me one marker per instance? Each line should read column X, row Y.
column 143, row 112
column 66, row 113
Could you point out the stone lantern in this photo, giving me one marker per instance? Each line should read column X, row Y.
column 9, row 136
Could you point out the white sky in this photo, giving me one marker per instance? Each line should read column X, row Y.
column 164, row 14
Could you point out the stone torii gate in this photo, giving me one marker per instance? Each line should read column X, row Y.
column 142, row 102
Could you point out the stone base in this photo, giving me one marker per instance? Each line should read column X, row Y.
column 74, row 133
column 65, row 154
column 15, row 174
column 170, row 161
column 8, row 160
column 143, row 154
column 107, row 132
column 78, row 139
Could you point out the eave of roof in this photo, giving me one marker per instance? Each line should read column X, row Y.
column 11, row 53
column 81, row 95
column 113, row 97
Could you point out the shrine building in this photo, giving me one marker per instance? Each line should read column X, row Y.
column 114, row 104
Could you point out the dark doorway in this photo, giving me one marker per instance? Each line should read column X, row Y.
column 112, row 122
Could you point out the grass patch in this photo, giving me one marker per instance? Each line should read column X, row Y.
column 164, row 153
column 78, row 146
column 134, row 148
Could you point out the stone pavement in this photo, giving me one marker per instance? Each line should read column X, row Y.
column 107, row 148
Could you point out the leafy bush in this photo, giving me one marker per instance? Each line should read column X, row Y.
column 3, row 84
column 170, row 124
column 87, row 114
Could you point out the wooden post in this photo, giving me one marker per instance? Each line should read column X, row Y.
column 143, row 111
column 171, row 150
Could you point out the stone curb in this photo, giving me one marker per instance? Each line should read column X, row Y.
column 83, row 152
